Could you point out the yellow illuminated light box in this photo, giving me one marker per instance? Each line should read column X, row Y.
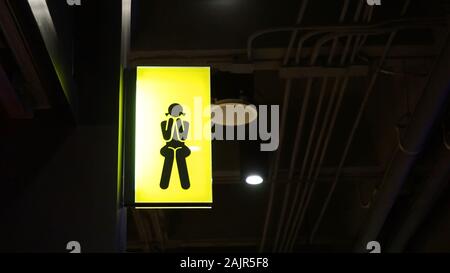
column 172, row 140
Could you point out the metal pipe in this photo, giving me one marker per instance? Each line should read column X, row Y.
column 296, row 228
column 300, row 129
column 303, row 40
column 346, row 48
column 293, row 160
column 295, row 32
column 307, row 192
column 385, row 30
column 307, row 153
column 345, row 33
column 429, row 107
column 336, row 110
column 296, row 144
column 336, row 84
column 331, row 36
column 358, row 11
column 355, row 126
column 274, row 171
column 308, row 149
column 326, row 125
column 361, row 40
column 341, row 19
column 355, row 19
column 407, row 23
column 325, row 147
column 314, row 33
column 326, row 122
column 352, row 133
column 366, row 18
column 298, row 134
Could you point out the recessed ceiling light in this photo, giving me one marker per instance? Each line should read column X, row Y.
column 254, row 180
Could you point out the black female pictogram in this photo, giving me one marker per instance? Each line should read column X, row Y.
column 175, row 131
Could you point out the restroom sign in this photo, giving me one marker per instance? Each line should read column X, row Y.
column 171, row 145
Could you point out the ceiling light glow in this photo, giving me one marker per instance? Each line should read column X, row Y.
column 254, row 180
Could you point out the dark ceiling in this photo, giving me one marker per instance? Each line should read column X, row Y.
column 349, row 165
column 217, row 33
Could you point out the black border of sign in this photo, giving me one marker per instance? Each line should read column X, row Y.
column 129, row 120
column 129, row 128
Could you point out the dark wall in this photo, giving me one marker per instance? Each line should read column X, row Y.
column 62, row 178
column 71, row 199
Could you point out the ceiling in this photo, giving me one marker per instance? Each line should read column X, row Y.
column 246, row 218
column 346, row 105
